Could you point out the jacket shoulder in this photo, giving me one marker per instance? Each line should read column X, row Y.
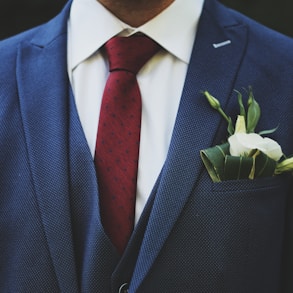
column 40, row 35
column 258, row 34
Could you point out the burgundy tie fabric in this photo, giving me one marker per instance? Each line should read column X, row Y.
column 118, row 135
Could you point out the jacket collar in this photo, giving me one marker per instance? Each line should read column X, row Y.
column 217, row 54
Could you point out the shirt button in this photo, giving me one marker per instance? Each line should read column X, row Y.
column 123, row 288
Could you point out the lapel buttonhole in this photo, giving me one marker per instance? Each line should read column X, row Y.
column 222, row 44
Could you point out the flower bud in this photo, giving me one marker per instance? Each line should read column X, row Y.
column 212, row 100
column 253, row 112
column 284, row 166
column 240, row 126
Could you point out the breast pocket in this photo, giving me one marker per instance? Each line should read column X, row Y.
column 249, row 186
column 238, row 231
column 252, row 214
column 260, row 202
column 259, row 207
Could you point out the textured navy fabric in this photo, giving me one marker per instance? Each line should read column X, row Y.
column 95, row 256
column 195, row 235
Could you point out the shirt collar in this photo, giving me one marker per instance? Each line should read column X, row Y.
column 91, row 25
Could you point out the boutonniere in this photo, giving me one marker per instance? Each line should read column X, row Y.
column 246, row 154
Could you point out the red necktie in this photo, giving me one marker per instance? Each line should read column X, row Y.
column 118, row 135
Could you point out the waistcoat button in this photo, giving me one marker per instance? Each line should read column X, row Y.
column 123, row 288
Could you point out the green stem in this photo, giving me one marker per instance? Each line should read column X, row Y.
column 220, row 110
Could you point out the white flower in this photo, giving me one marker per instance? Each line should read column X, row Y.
column 242, row 143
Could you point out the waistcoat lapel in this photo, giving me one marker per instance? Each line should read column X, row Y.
column 124, row 270
column 96, row 257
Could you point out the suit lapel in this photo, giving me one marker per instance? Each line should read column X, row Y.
column 215, row 61
column 43, row 96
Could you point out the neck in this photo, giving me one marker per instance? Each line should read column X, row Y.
column 135, row 12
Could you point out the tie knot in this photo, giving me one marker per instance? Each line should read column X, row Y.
column 130, row 53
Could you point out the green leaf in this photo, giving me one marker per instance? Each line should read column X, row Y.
column 237, row 167
column 230, row 127
column 264, row 165
column 214, row 159
column 241, row 106
column 253, row 113
column 269, row 131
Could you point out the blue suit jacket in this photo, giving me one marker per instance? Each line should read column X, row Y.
column 194, row 235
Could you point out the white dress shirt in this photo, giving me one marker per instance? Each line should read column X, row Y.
column 161, row 80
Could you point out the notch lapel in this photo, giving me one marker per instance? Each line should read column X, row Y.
column 43, row 96
column 211, row 68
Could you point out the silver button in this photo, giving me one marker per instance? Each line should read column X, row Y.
column 123, row 288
